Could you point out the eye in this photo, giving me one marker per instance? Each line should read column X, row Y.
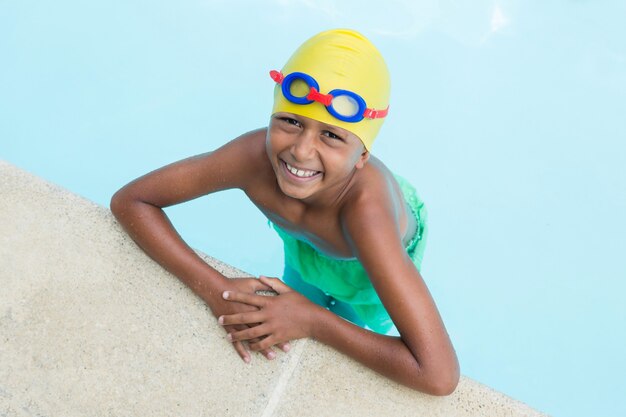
column 331, row 135
column 291, row 121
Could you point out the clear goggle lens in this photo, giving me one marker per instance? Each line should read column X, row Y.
column 345, row 105
column 301, row 88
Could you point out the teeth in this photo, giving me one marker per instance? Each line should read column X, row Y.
column 299, row 172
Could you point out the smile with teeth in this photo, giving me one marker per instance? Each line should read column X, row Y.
column 300, row 172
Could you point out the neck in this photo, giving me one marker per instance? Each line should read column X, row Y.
column 331, row 196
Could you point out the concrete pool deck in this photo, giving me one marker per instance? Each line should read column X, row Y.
column 90, row 326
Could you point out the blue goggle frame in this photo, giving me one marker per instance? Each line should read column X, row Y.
column 314, row 94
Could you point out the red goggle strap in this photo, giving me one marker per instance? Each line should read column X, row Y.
column 277, row 76
column 375, row 114
column 315, row 95
column 326, row 99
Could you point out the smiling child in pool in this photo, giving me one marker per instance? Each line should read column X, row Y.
column 354, row 232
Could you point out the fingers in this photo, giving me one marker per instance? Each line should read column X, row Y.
column 252, row 317
column 249, row 326
column 242, row 297
column 241, row 350
column 257, row 285
column 241, row 332
column 239, row 347
column 275, row 284
column 262, row 344
column 284, row 346
column 248, row 334
column 268, row 353
column 259, row 338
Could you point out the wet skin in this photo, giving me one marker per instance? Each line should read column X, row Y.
column 309, row 208
column 351, row 207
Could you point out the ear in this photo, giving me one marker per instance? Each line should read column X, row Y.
column 362, row 159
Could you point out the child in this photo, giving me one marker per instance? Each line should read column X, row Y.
column 353, row 232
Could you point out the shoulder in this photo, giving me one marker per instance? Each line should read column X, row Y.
column 370, row 208
column 371, row 194
column 249, row 148
column 233, row 165
column 370, row 224
column 240, row 162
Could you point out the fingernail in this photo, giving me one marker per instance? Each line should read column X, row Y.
column 225, row 295
column 229, row 337
column 246, row 359
column 271, row 355
column 286, row 348
column 220, row 320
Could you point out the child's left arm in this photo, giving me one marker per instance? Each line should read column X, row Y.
column 423, row 357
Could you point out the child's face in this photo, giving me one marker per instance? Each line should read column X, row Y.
column 309, row 156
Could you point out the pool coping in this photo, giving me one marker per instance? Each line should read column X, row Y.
column 89, row 325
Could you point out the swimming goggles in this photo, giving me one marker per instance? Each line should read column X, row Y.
column 342, row 104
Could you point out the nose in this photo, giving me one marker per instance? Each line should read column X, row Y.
column 304, row 147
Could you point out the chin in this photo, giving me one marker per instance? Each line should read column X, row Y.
column 298, row 194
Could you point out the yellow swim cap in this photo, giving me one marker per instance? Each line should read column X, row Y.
column 339, row 59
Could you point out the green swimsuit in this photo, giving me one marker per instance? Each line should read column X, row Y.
column 346, row 280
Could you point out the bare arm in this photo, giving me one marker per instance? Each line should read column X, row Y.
column 139, row 209
column 427, row 368
column 422, row 358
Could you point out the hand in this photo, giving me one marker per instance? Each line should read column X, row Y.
column 220, row 307
column 287, row 316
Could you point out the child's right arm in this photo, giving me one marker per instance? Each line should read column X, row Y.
column 138, row 208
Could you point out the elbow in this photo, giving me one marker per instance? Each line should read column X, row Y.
column 121, row 203
column 439, row 382
column 117, row 203
column 444, row 386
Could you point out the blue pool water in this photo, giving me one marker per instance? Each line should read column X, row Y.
column 508, row 117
